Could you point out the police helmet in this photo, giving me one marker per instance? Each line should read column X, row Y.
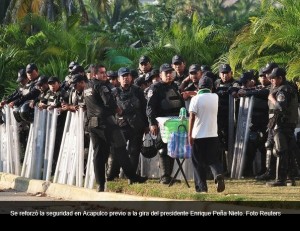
column 26, row 112
column 148, row 149
column 72, row 64
column 77, row 69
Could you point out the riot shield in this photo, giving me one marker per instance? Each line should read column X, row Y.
column 231, row 121
column 35, row 148
column 10, row 144
column 69, row 169
column 242, row 136
column 90, row 174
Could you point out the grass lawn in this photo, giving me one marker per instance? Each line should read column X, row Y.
column 237, row 191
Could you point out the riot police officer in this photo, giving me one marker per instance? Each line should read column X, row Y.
column 17, row 94
column 145, row 67
column 190, row 90
column 164, row 99
column 268, row 68
column 42, row 85
column 259, row 121
column 223, row 87
column 30, row 92
column 133, row 120
column 54, row 98
column 76, row 101
column 76, row 96
column 103, row 129
column 283, row 116
column 67, row 81
column 179, row 65
column 113, row 78
column 22, row 80
column 151, row 78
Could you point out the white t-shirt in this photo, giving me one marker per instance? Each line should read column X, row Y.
column 205, row 108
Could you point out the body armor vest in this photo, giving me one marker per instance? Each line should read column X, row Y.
column 26, row 89
column 172, row 102
column 131, row 106
column 290, row 116
column 127, row 100
column 76, row 99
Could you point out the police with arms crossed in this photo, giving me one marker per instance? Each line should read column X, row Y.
column 104, row 131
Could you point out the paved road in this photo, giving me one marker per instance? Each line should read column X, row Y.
column 22, row 204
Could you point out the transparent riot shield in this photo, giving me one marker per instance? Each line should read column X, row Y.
column 90, row 174
column 242, row 136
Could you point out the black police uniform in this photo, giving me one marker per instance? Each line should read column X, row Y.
column 29, row 92
column 15, row 95
column 283, row 118
column 223, row 90
column 77, row 99
column 22, row 116
column 133, row 119
column 179, row 78
column 55, row 99
column 105, row 132
column 163, row 100
column 258, row 130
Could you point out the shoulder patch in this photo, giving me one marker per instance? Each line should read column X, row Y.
column 280, row 97
column 150, row 93
column 88, row 92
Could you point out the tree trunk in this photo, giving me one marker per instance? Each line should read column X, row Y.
column 64, row 6
column 71, row 7
column 3, row 7
column 85, row 17
column 14, row 13
column 50, row 10
column 43, row 8
column 8, row 15
column 116, row 13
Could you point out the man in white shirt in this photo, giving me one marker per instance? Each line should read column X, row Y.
column 203, row 136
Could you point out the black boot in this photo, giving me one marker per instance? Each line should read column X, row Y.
column 101, row 188
column 113, row 168
column 269, row 174
column 276, row 183
column 138, row 179
column 281, row 171
column 166, row 164
column 290, row 182
column 266, row 176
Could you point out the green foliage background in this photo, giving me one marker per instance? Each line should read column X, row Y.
column 246, row 34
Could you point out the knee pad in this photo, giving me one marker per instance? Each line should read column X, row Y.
column 269, row 145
